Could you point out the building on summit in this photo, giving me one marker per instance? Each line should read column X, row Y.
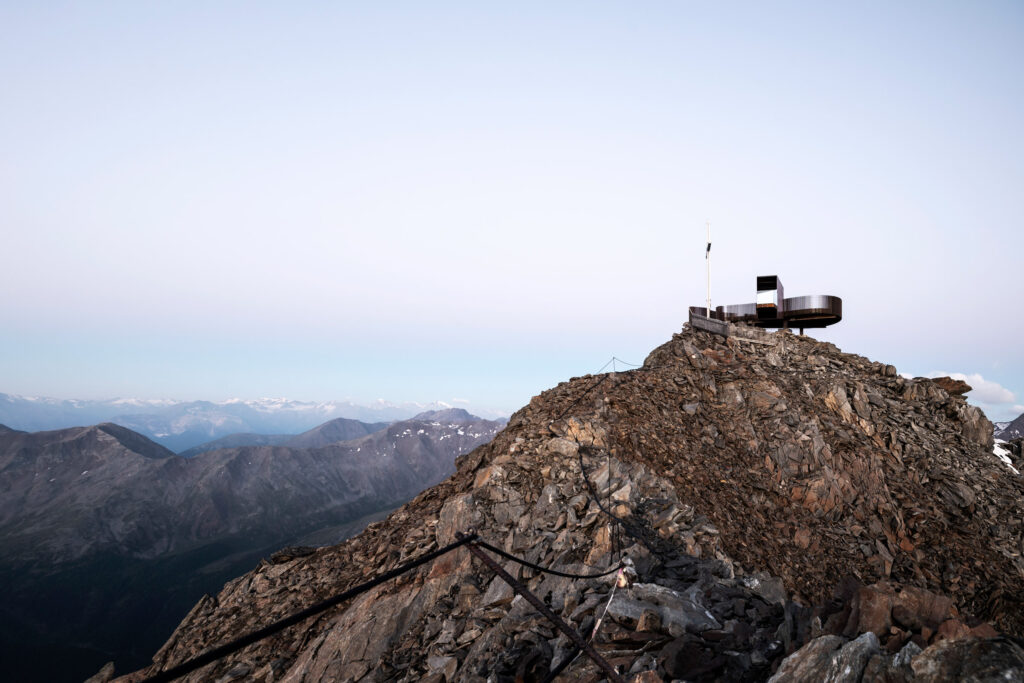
column 772, row 310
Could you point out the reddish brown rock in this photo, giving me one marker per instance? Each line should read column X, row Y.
column 984, row 630
column 952, row 629
column 874, row 609
column 953, row 387
column 916, row 607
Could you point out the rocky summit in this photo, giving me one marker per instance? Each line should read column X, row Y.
column 779, row 509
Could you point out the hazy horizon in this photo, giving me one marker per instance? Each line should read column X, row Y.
column 488, row 411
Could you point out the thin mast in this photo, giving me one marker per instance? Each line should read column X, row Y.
column 707, row 257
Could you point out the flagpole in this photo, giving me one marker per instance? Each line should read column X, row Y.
column 707, row 257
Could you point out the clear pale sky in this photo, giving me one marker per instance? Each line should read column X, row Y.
column 420, row 201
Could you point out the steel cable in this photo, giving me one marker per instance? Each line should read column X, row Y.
column 545, row 570
column 213, row 655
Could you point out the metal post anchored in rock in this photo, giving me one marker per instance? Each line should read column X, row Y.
column 569, row 631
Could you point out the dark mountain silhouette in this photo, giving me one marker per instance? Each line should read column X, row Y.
column 333, row 431
column 237, row 441
column 341, row 429
column 107, row 538
column 1012, row 430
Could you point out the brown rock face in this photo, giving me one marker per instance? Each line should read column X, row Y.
column 874, row 610
column 723, row 458
column 916, row 608
column 829, row 658
column 892, row 478
column 953, row 387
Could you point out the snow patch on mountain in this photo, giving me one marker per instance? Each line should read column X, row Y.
column 1004, row 455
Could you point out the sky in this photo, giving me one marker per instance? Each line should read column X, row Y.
column 476, row 201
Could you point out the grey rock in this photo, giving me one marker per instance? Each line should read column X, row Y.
column 239, row 670
column 678, row 612
column 103, row 675
column 499, row 592
column 970, row 660
column 849, row 661
column 768, row 587
column 809, row 663
column 903, row 658
column 562, row 446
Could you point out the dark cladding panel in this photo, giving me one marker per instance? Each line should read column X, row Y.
column 770, row 299
column 702, row 322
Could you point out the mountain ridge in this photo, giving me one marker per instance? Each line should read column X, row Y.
column 338, row 429
column 100, row 514
column 181, row 425
column 332, row 431
column 1014, row 429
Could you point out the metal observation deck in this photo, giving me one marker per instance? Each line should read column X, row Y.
column 774, row 311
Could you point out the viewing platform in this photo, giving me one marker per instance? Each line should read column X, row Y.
column 773, row 311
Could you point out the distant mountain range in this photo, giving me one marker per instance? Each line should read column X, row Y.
column 338, row 429
column 182, row 425
column 1008, row 431
column 107, row 538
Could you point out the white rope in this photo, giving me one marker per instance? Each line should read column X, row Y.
column 620, row 580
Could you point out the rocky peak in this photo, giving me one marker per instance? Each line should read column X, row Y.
column 69, row 452
column 338, row 429
column 743, row 477
column 1012, row 430
column 135, row 442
